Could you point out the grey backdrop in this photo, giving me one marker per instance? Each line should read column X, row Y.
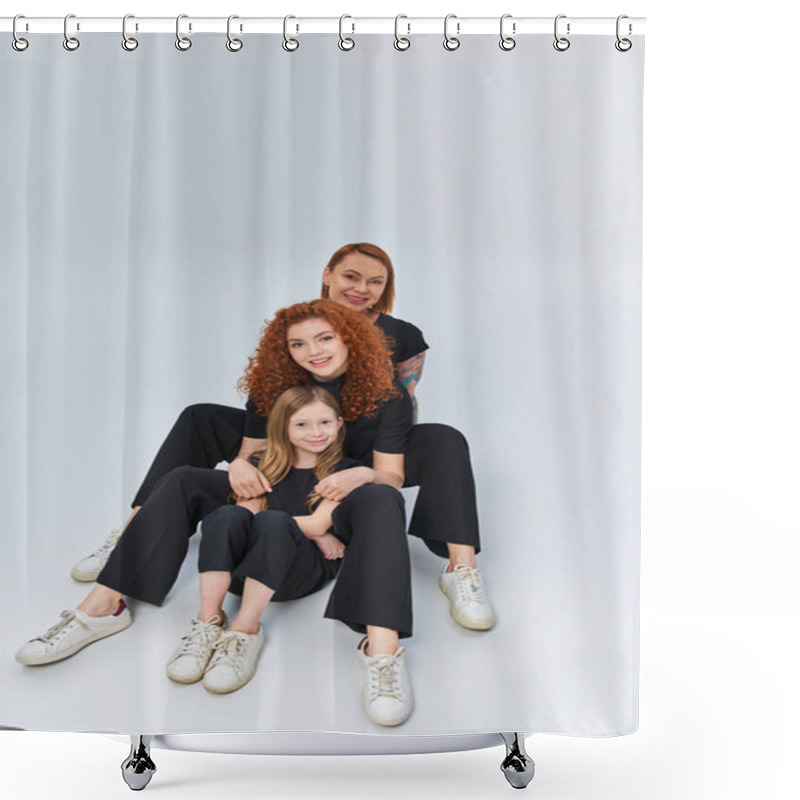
column 157, row 206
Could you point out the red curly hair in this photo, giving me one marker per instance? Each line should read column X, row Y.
column 368, row 382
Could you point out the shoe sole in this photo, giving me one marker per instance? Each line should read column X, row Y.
column 35, row 662
column 386, row 723
column 228, row 689
column 464, row 622
column 83, row 577
column 186, row 680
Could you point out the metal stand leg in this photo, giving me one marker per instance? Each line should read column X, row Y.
column 138, row 768
column 518, row 766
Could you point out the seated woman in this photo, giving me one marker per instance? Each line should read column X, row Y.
column 318, row 343
column 280, row 547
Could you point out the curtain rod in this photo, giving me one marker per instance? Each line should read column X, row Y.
column 461, row 26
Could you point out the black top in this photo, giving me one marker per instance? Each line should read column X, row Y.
column 290, row 494
column 385, row 430
column 405, row 340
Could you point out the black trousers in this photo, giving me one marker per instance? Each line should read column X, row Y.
column 373, row 586
column 268, row 547
column 148, row 556
column 437, row 460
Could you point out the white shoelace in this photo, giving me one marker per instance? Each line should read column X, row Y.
column 200, row 636
column 58, row 630
column 384, row 677
column 468, row 583
column 229, row 652
column 109, row 544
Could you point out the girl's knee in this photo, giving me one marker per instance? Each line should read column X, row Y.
column 273, row 522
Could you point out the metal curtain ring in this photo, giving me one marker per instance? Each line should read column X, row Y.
column 128, row 42
column 18, row 43
column 451, row 42
column 623, row 45
column 233, row 44
column 182, row 42
column 70, row 42
column 400, row 42
column 507, row 42
column 561, row 43
column 345, row 42
column 289, row 44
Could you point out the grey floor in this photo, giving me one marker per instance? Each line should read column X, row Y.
column 718, row 720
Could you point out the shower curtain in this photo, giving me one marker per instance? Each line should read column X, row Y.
column 159, row 205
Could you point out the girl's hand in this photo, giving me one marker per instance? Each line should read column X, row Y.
column 338, row 485
column 246, row 480
column 330, row 547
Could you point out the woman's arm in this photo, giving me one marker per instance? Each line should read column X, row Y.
column 387, row 468
column 409, row 372
column 247, row 481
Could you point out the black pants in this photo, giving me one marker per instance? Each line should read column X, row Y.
column 437, row 460
column 268, row 547
column 148, row 556
column 373, row 586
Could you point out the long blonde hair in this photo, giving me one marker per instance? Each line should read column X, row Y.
column 278, row 456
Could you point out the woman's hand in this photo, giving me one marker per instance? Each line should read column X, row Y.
column 246, row 480
column 338, row 485
column 330, row 547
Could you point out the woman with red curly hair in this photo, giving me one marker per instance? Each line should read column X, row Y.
column 315, row 344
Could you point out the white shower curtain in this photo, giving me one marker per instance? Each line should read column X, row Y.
column 158, row 206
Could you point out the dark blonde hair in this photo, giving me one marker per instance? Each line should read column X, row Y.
column 278, row 456
column 386, row 301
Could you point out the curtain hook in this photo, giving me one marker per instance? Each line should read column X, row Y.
column 234, row 45
column 345, row 42
column 623, row 45
column 400, row 42
column 182, row 42
column 561, row 43
column 507, row 42
column 70, row 42
column 289, row 44
column 451, row 42
column 18, row 43
column 128, row 42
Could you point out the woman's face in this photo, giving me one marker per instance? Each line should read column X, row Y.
column 318, row 348
column 314, row 427
column 356, row 282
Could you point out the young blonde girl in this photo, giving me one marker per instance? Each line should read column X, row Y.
column 274, row 547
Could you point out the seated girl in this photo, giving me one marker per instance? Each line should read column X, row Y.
column 280, row 547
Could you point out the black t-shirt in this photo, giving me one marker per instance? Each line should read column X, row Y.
column 290, row 494
column 406, row 340
column 385, row 430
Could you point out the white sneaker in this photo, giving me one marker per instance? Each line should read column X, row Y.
column 234, row 661
column 468, row 604
column 387, row 697
column 188, row 663
column 89, row 567
column 72, row 633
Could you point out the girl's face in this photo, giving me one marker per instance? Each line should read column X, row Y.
column 314, row 427
column 356, row 282
column 318, row 348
